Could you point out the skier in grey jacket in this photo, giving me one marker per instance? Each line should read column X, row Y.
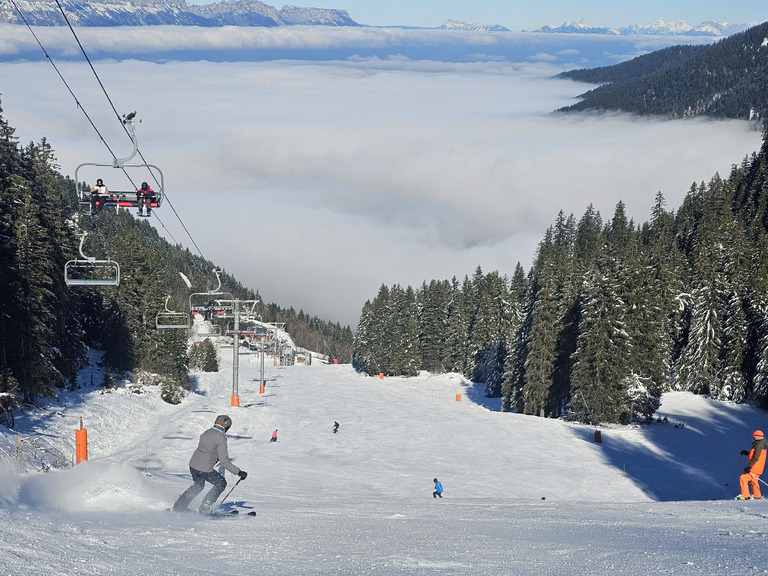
column 211, row 449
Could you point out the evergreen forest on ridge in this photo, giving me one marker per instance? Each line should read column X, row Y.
column 611, row 315
column 47, row 327
column 722, row 80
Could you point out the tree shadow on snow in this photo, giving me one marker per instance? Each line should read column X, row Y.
column 475, row 391
column 694, row 456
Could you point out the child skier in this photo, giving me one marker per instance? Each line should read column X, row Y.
column 438, row 489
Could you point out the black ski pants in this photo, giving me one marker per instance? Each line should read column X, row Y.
column 200, row 478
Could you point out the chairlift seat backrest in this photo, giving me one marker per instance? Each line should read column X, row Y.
column 92, row 272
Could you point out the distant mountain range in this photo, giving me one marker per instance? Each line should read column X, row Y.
column 256, row 13
column 169, row 12
column 463, row 25
column 660, row 27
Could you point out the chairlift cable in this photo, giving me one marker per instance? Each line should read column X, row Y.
column 61, row 76
column 82, row 49
column 90, row 121
column 117, row 115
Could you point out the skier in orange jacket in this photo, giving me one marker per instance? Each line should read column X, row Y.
column 754, row 467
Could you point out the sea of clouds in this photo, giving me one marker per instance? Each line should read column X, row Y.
column 316, row 164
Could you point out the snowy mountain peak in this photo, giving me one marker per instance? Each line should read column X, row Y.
column 578, row 27
column 659, row 28
column 452, row 24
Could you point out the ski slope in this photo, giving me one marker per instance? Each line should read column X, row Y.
column 523, row 495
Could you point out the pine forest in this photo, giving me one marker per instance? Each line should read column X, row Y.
column 722, row 80
column 611, row 315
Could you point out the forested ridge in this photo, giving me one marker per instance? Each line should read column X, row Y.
column 724, row 80
column 46, row 327
column 611, row 315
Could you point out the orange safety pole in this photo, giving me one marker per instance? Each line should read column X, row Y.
column 381, row 375
column 81, row 443
column 261, row 389
column 458, row 397
column 235, row 400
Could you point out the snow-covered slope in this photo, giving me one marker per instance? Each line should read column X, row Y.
column 522, row 494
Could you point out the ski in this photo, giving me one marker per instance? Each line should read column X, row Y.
column 221, row 513
column 230, row 513
column 214, row 514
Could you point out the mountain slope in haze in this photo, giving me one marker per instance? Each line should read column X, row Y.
column 169, row 12
column 724, row 80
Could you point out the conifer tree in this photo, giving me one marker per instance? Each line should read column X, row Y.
column 543, row 324
column 457, row 332
column 600, row 372
column 432, row 303
column 494, row 379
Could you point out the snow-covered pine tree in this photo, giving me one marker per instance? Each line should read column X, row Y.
column 603, row 349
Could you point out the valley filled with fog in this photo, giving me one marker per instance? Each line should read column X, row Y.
column 317, row 164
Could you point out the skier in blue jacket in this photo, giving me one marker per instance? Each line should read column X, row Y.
column 438, row 489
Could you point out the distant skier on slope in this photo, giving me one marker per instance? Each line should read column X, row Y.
column 438, row 489
column 274, row 436
column 754, row 467
column 212, row 448
column 335, row 426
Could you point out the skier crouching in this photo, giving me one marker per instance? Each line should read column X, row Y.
column 211, row 448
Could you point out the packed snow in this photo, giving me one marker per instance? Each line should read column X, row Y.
column 523, row 495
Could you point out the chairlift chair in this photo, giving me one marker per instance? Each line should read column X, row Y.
column 122, row 198
column 170, row 319
column 220, row 301
column 206, row 330
column 88, row 271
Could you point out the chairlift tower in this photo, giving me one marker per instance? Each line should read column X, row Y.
column 249, row 305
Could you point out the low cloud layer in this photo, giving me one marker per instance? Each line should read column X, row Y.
column 316, row 182
column 232, row 43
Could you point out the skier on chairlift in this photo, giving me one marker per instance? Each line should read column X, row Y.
column 145, row 196
column 99, row 194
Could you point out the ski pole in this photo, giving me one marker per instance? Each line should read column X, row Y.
column 230, row 491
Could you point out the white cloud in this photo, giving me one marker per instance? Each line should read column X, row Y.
column 316, row 182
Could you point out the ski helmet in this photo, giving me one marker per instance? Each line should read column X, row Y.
column 435, row 480
column 99, row 182
column 758, row 434
column 224, row 421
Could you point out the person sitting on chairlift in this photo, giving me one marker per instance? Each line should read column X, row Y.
column 99, row 194
column 145, row 196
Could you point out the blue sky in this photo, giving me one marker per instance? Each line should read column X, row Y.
column 532, row 15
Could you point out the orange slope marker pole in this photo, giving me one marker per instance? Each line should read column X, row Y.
column 81, row 443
